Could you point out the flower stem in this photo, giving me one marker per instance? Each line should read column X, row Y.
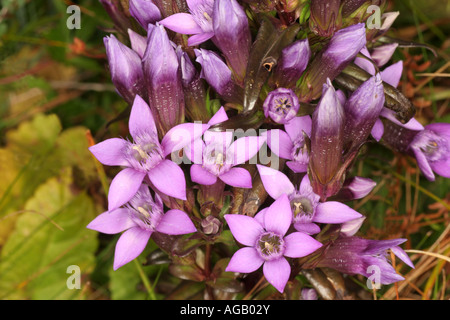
column 145, row 280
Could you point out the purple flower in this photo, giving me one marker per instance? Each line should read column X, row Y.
column 232, row 35
column 327, row 132
column 281, row 105
column 139, row 219
column 145, row 12
column 331, row 60
column 431, row 147
column 145, row 156
column 304, row 203
column 362, row 110
column 125, row 68
column 291, row 144
column 267, row 244
column 353, row 255
column 355, row 188
column 220, row 156
column 293, row 61
column 391, row 75
column 163, row 80
column 214, row 71
column 198, row 22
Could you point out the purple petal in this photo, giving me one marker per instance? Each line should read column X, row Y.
column 424, row 165
column 218, row 117
column 218, row 137
column 279, row 143
column 245, row 148
column 123, row 187
column 130, row 245
column 138, row 42
column 296, row 126
column 245, row 229
column 110, row 152
column 377, row 130
column 245, row 260
column 194, row 151
column 275, row 182
column 141, row 118
column 392, row 74
column 169, row 178
column 278, row 217
column 382, row 54
column 260, row 216
column 182, row 23
column 181, row 136
column 350, row 228
column 175, row 222
column 199, row 38
column 412, row 124
column 299, row 245
column 441, row 167
column 305, row 185
column 297, row 167
column 334, row 212
column 112, row 222
column 402, row 255
column 202, row 176
column 308, row 228
column 237, row 177
column 144, row 11
column 277, row 273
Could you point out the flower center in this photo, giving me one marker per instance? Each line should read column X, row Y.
column 283, row 105
column 145, row 153
column 215, row 159
column 302, row 209
column 432, row 145
column 144, row 211
column 270, row 246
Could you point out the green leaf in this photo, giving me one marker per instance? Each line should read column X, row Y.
column 49, row 237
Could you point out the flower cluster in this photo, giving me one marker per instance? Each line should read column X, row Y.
column 223, row 95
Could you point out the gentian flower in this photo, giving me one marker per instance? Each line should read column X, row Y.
column 304, row 203
column 145, row 156
column 354, row 255
column 291, row 144
column 342, row 49
column 220, row 156
column 431, row 147
column 293, row 61
column 232, row 35
column 281, row 105
column 125, row 68
column 197, row 23
column 267, row 244
column 145, row 12
column 327, row 132
column 163, row 80
column 391, row 75
column 140, row 218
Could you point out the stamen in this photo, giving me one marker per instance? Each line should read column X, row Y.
column 141, row 152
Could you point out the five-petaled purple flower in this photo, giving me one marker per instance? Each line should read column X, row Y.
column 431, row 147
column 145, row 156
column 281, row 105
column 218, row 155
column 266, row 242
column 305, row 205
column 139, row 218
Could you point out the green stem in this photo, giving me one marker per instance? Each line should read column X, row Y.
column 145, row 280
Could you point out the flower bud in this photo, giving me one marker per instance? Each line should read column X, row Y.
column 281, row 105
column 163, row 80
column 292, row 63
column 125, row 68
column 232, row 35
column 331, row 60
column 145, row 12
column 210, row 225
column 362, row 109
column 326, row 143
